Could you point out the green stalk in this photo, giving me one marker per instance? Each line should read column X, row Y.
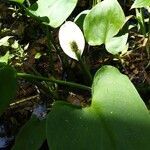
column 149, row 26
column 140, row 19
column 143, row 23
column 84, row 67
column 95, row 2
column 53, row 80
column 92, row 3
column 44, row 85
column 28, row 3
column 148, row 41
column 85, row 70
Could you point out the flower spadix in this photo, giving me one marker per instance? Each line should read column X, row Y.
column 71, row 40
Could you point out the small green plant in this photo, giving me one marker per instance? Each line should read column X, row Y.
column 117, row 118
column 139, row 5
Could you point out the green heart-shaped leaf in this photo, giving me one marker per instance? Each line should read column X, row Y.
column 31, row 136
column 103, row 22
column 117, row 44
column 141, row 3
column 7, row 86
column 52, row 12
column 116, row 120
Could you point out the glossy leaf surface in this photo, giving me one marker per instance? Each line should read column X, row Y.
column 117, row 118
column 31, row 136
column 141, row 3
column 117, row 44
column 52, row 12
column 103, row 22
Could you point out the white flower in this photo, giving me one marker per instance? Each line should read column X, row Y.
column 71, row 39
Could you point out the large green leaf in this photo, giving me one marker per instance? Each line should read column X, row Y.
column 52, row 12
column 141, row 3
column 7, row 86
column 116, row 120
column 31, row 136
column 103, row 22
column 117, row 44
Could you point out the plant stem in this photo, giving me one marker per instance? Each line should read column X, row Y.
column 95, row 2
column 149, row 26
column 84, row 67
column 28, row 3
column 86, row 70
column 140, row 19
column 61, row 82
column 143, row 23
column 148, row 40
column 44, row 86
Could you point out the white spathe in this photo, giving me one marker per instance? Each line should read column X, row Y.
column 69, row 33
